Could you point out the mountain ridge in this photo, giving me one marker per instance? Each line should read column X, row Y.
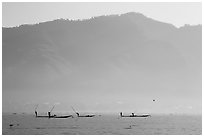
column 115, row 57
column 136, row 14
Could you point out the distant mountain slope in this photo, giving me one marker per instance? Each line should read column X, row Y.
column 107, row 53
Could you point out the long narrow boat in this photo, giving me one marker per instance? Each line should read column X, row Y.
column 49, row 114
column 44, row 116
column 146, row 115
column 54, row 116
column 85, row 115
column 62, row 116
column 133, row 115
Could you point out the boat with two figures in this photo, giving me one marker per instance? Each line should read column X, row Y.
column 49, row 114
column 78, row 115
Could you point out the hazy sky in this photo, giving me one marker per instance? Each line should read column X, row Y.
column 15, row 14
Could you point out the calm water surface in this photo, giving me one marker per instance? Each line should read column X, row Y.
column 102, row 125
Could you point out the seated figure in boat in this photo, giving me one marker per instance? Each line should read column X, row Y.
column 132, row 115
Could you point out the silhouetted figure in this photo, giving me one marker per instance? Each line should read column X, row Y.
column 77, row 114
column 36, row 113
column 49, row 114
column 121, row 114
column 133, row 114
column 153, row 99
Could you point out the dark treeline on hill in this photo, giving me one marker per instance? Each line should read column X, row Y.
column 66, row 54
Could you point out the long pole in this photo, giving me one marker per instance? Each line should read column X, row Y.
column 52, row 108
column 36, row 107
column 73, row 109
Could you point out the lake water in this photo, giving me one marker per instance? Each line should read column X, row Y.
column 102, row 125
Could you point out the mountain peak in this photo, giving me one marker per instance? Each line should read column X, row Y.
column 135, row 14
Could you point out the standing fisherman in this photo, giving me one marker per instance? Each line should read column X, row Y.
column 49, row 114
column 36, row 113
column 121, row 114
